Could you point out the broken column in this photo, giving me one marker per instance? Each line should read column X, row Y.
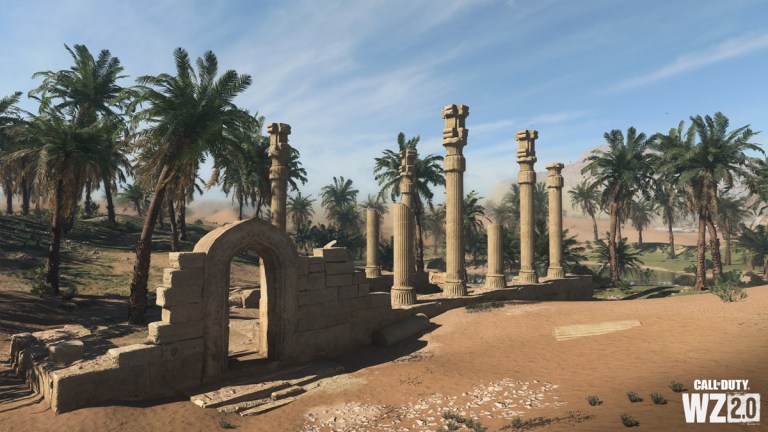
column 495, row 276
column 555, row 188
column 403, row 292
column 372, row 268
column 454, row 140
column 526, row 157
column 279, row 152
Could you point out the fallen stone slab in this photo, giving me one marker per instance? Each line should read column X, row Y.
column 267, row 407
column 242, row 406
column 568, row 332
column 235, row 394
column 287, row 392
column 401, row 330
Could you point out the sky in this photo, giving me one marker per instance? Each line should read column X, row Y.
column 348, row 76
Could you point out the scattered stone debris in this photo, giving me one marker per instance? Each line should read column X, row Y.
column 504, row 399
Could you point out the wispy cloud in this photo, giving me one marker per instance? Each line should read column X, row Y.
column 731, row 48
column 555, row 118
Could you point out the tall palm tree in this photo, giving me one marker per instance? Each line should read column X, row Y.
column 718, row 158
column 89, row 89
column 336, row 196
column 755, row 240
column 300, row 210
column 640, row 214
column 9, row 116
column 428, row 173
column 730, row 212
column 187, row 115
column 587, row 199
column 670, row 202
column 622, row 172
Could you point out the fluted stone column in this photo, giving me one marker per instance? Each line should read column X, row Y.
column 454, row 164
column 403, row 292
column 372, row 268
column 526, row 157
column 279, row 152
column 495, row 276
column 555, row 188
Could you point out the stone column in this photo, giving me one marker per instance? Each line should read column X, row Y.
column 454, row 164
column 495, row 276
column 403, row 292
column 406, row 177
column 526, row 157
column 279, row 152
column 555, row 188
column 372, row 268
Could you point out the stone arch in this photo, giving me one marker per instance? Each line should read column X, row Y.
column 279, row 299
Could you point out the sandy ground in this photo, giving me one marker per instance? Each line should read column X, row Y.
column 491, row 365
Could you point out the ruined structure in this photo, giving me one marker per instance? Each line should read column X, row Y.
column 495, row 276
column 555, row 188
column 526, row 157
column 454, row 165
column 372, row 268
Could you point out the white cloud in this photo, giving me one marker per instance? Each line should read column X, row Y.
column 729, row 49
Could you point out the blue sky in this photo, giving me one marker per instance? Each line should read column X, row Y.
column 349, row 75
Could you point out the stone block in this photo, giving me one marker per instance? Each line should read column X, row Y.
column 329, row 319
column 338, row 280
column 174, row 296
column 164, row 333
column 186, row 260
column 318, row 296
column 361, row 303
column 66, row 351
column 189, row 278
column 363, row 289
column 251, row 298
column 316, row 264
column 348, row 291
column 332, row 268
column 135, row 355
column 380, row 299
column 332, row 255
column 303, row 265
column 315, row 281
column 182, row 313
column 314, row 312
column 185, row 348
column 358, row 277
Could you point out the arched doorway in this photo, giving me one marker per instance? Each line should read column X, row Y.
column 278, row 299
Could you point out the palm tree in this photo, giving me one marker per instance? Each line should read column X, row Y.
column 434, row 223
column 336, row 196
column 300, row 210
column 587, row 199
column 9, row 116
column 755, row 240
column 132, row 194
column 670, row 201
column 187, row 115
column 427, row 173
column 474, row 228
column 730, row 212
column 89, row 89
column 621, row 172
column 718, row 158
column 640, row 214
column 626, row 259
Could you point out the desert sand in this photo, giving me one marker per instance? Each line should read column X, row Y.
column 469, row 361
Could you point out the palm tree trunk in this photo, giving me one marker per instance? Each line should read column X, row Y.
column 24, row 196
column 714, row 241
column 8, row 191
column 137, row 204
column 701, row 269
column 640, row 236
column 240, row 208
column 174, row 226
column 160, row 216
column 618, row 231
column 88, row 200
column 110, row 204
column 181, row 219
column 54, row 250
column 594, row 225
column 137, row 303
column 671, row 238
column 419, row 245
column 727, row 235
column 612, row 244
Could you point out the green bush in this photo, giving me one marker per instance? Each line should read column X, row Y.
column 634, row 397
column 484, row 307
column 69, row 293
column 684, row 279
column 727, row 288
column 676, row 387
column 658, row 399
column 40, row 286
column 628, row 421
column 594, row 400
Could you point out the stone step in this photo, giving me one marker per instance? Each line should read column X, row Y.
column 242, row 406
column 267, row 407
column 232, row 395
column 286, row 393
